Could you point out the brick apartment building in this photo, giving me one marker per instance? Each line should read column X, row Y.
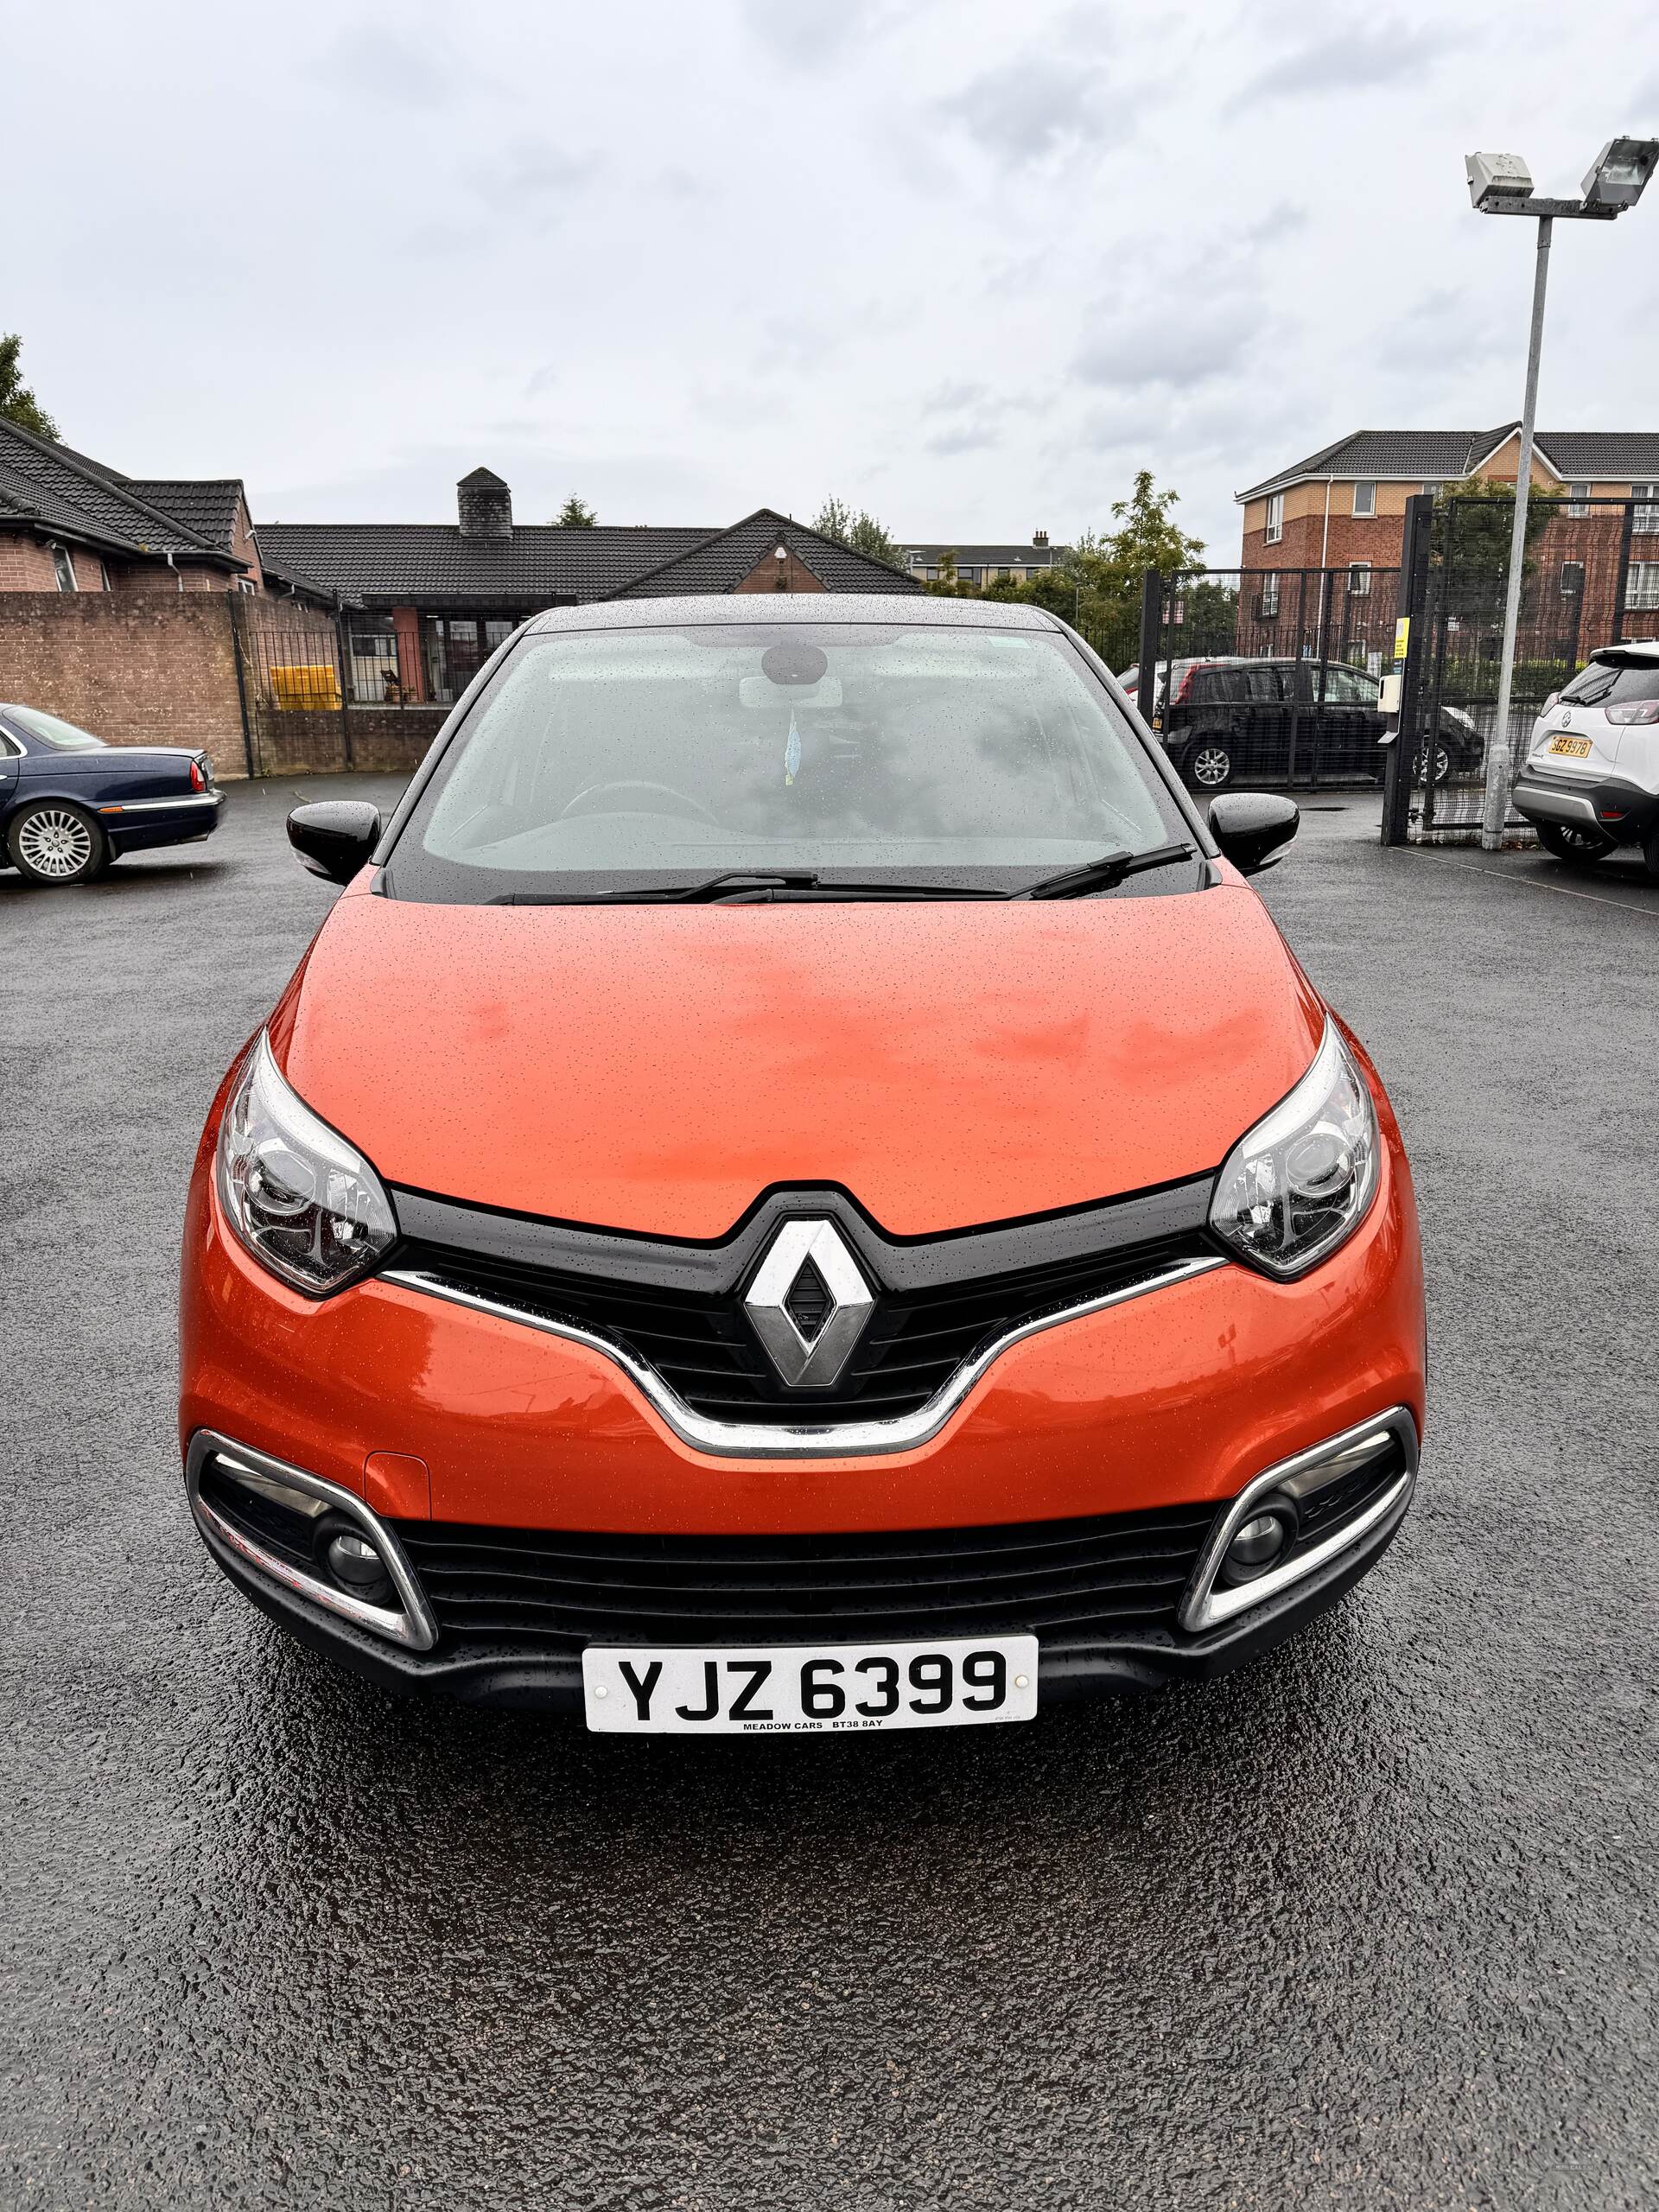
column 1344, row 507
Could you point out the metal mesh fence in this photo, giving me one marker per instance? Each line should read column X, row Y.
column 1592, row 578
column 1272, row 676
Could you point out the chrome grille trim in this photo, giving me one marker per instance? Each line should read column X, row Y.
column 798, row 1440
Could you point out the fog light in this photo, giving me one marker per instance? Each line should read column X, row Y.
column 355, row 1564
column 1259, row 1543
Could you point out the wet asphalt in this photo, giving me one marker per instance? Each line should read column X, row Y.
column 1371, row 1923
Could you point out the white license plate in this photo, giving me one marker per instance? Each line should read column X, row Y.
column 806, row 1689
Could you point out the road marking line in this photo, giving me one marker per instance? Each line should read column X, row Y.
column 1559, row 890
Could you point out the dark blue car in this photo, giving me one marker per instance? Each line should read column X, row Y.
column 70, row 804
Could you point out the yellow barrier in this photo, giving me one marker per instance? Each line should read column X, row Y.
column 315, row 686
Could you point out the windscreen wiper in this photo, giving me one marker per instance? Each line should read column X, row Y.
column 1102, row 875
column 730, row 882
column 740, row 883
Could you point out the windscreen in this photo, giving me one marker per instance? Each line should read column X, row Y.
column 61, row 736
column 1613, row 683
column 604, row 758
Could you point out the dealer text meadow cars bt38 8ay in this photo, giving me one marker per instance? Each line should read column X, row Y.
column 799, row 1188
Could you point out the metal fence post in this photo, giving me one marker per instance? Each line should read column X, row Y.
column 343, row 646
column 238, row 603
column 1151, row 623
column 1413, row 607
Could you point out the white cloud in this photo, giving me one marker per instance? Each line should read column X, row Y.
column 975, row 264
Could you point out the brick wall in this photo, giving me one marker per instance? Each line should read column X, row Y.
column 26, row 563
column 393, row 738
column 1375, row 538
column 135, row 667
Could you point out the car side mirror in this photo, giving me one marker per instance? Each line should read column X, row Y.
column 1249, row 826
column 335, row 837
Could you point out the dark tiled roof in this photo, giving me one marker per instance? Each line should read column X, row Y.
column 1443, row 456
column 207, row 506
column 1011, row 556
column 722, row 562
column 46, row 482
column 427, row 563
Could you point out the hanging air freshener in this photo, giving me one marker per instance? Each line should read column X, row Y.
column 791, row 750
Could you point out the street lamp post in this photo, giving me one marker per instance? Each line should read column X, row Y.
column 1501, row 184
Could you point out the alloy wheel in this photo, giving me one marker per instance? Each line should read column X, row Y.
column 1212, row 766
column 55, row 844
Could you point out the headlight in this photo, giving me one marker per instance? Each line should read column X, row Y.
column 306, row 1205
column 1299, row 1184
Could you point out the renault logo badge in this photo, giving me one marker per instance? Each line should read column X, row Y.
column 809, row 1304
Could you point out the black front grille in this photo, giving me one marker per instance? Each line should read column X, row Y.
column 704, row 1348
column 556, row 1591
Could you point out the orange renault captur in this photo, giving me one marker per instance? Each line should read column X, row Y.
column 799, row 1188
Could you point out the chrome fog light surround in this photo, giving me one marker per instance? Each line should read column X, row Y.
column 1210, row 1600
column 408, row 1622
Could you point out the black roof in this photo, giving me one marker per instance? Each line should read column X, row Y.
column 722, row 561
column 1446, row 456
column 47, row 484
column 206, row 505
column 431, row 563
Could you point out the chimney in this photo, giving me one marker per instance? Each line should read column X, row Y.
column 485, row 507
column 1038, row 537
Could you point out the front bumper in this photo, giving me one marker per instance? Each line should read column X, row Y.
column 403, row 1643
column 442, row 1423
column 1620, row 811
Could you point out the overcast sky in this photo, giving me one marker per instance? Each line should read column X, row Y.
column 968, row 263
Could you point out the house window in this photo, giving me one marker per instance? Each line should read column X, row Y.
column 1578, row 499
column 1359, row 579
column 1645, row 521
column 1364, row 499
column 65, row 568
column 1572, row 580
column 1643, row 588
column 969, row 575
column 1270, row 594
column 1432, row 489
column 1275, row 529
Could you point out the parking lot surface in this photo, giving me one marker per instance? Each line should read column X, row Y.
column 1370, row 1924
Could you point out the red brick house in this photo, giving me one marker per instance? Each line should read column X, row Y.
column 69, row 523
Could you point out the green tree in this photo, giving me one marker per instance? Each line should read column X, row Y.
column 575, row 514
column 1471, row 541
column 861, row 531
column 835, row 519
column 17, row 403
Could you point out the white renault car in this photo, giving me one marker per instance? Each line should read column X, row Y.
column 1590, row 780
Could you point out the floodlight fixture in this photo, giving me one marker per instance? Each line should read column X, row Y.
column 1496, row 179
column 1618, row 175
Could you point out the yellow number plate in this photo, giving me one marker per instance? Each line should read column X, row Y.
column 1574, row 746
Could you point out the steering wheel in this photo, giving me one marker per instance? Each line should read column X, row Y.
column 644, row 798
